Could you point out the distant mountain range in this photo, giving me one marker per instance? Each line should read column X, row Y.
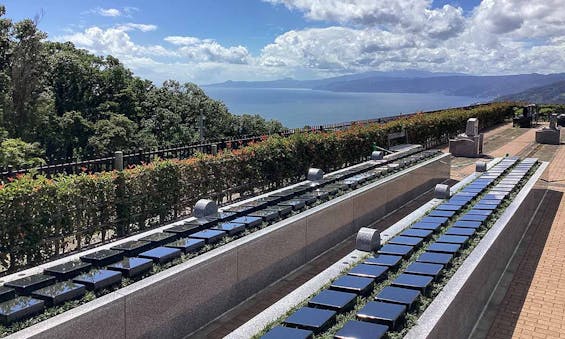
column 413, row 81
column 550, row 94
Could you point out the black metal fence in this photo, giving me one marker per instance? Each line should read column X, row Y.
column 75, row 166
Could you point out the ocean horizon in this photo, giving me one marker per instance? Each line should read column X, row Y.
column 296, row 107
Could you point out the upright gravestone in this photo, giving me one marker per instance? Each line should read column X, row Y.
column 469, row 144
column 551, row 135
column 377, row 155
column 481, row 166
column 368, row 240
column 205, row 207
column 442, row 191
column 315, row 174
column 472, row 127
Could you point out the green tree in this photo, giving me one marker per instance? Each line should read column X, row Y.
column 19, row 153
column 117, row 133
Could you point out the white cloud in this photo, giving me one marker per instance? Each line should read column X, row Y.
column 140, row 27
column 113, row 12
column 208, row 50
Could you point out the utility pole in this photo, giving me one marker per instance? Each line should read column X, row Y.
column 201, row 125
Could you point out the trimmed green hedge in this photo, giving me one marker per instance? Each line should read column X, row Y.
column 43, row 217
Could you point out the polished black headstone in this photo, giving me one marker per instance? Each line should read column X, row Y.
column 465, row 194
column 284, row 195
column 432, row 226
column 98, row 279
column 459, row 201
column 480, row 206
column 382, row 313
column 67, row 270
column 421, row 268
column 472, row 217
column 460, row 231
column 161, row 255
column 435, row 258
column 333, row 300
column 268, row 214
column 408, row 241
column 467, row 224
column 486, row 213
column 133, row 248
column 283, row 210
column 160, row 238
column 103, row 257
column 19, row 308
column 453, row 239
column 60, row 293
column 296, row 204
column 438, row 220
column 202, row 223
column 187, row 244
column 249, row 221
column 232, row 228
column 444, row 248
column 241, row 209
column 209, row 236
column 472, row 190
column 258, row 204
column 449, row 207
column 375, row 272
column 222, row 216
column 352, row 284
column 282, row 332
column 495, row 202
column 413, row 281
column 384, row 260
column 6, row 293
column 26, row 285
column 397, row 295
column 312, row 319
column 183, row 230
column 320, row 194
column 361, row 330
column 418, row 233
column 308, row 199
column 132, row 267
column 437, row 213
column 396, row 250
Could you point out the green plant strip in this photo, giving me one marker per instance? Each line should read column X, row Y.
column 423, row 301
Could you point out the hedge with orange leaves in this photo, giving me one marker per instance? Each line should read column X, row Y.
column 42, row 218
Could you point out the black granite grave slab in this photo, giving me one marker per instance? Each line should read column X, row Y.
column 222, row 216
column 352, row 284
column 375, row 272
column 183, row 230
column 453, row 239
column 249, row 221
column 26, row 285
column 466, row 194
column 19, row 308
column 382, row 313
column 396, row 250
column 460, row 201
column 161, row 255
column 424, row 269
column 435, row 258
column 471, row 190
column 67, row 270
column 495, row 202
column 449, row 207
column 333, row 300
column 187, row 244
column 432, row 226
column 98, row 279
column 268, row 214
column 408, row 241
column 397, row 295
column 444, row 248
column 232, row 228
column 320, row 194
column 384, row 260
column 202, row 223
column 296, row 204
column 258, row 204
column 284, row 195
column 418, row 233
column 60, row 293
column 333, row 189
column 480, row 212
column 354, row 329
column 460, row 231
column 160, row 238
column 6, row 293
column 472, row 217
column 133, row 248
column 485, row 207
column 467, row 224
column 209, row 236
column 241, row 209
column 102, row 257
column 308, row 199
column 312, row 319
column 284, row 211
column 283, row 332
column 439, row 220
column 132, row 267
column 446, row 214
column 413, row 281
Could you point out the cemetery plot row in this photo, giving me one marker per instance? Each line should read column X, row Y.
column 99, row 272
column 384, row 294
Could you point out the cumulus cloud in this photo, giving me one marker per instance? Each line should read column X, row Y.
column 113, row 12
column 208, row 50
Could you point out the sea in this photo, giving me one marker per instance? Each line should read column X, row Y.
column 305, row 107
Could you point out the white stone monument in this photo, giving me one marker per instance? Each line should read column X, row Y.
column 469, row 144
column 551, row 135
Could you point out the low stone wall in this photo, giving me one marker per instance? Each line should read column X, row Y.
column 179, row 300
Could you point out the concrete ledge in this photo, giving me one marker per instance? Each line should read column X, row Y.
column 457, row 308
column 181, row 299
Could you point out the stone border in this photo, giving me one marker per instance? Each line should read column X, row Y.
column 451, row 315
column 168, row 304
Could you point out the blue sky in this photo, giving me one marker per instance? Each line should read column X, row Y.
column 211, row 41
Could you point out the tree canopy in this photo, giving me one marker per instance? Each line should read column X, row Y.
column 67, row 102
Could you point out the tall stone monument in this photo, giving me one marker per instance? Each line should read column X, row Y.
column 551, row 135
column 469, row 144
